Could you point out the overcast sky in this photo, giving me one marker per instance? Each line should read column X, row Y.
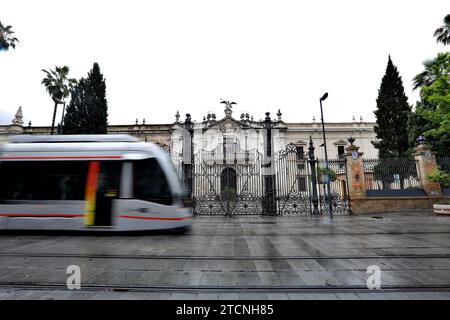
column 162, row 56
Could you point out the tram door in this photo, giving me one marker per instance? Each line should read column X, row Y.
column 103, row 185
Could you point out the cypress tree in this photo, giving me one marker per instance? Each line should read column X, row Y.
column 392, row 115
column 87, row 112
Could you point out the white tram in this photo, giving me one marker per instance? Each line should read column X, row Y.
column 89, row 182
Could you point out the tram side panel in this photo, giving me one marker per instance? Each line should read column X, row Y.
column 71, row 195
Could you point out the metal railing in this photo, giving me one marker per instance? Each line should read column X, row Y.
column 391, row 174
column 338, row 185
column 443, row 163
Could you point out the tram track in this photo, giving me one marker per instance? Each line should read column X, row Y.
column 184, row 257
column 204, row 233
column 20, row 286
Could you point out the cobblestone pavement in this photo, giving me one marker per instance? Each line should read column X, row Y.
column 298, row 257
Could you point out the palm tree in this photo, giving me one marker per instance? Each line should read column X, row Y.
column 6, row 38
column 442, row 33
column 434, row 68
column 58, row 86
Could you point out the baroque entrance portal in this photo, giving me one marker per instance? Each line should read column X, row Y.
column 227, row 183
column 235, row 182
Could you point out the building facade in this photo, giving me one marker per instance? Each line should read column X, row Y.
column 241, row 131
column 236, row 165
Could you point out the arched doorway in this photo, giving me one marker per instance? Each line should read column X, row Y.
column 228, row 183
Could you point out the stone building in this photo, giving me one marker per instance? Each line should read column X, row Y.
column 237, row 165
column 242, row 131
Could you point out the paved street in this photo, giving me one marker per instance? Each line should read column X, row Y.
column 263, row 258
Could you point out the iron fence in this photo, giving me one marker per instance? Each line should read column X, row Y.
column 443, row 163
column 337, row 173
column 391, row 174
column 230, row 181
column 293, row 181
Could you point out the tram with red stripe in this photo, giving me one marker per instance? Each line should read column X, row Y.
column 89, row 182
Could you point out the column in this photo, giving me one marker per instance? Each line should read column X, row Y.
column 355, row 171
column 426, row 164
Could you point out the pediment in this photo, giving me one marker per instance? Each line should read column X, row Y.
column 340, row 142
column 226, row 124
column 300, row 143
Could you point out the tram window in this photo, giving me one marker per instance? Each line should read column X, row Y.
column 43, row 180
column 149, row 182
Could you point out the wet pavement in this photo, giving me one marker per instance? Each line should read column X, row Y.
column 298, row 257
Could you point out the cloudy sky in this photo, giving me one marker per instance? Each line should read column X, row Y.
column 162, row 56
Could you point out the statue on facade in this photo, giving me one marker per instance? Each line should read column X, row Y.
column 228, row 106
column 18, row 118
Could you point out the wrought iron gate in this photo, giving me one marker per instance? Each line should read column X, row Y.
column 293, row 181
column 297, row 187
column 231, row 182
column 338, row 186
column 227, row 183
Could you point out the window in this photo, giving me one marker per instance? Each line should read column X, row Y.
column 341, row 152
column 149, row 182
column 43, row 180
column 302, row 184
column 300, row 153
column 300, row 158
column 228, row 181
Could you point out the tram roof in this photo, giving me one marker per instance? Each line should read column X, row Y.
column 74, row 138
column 79, row 146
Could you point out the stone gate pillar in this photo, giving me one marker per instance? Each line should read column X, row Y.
column 426, row 164
column 355, row 171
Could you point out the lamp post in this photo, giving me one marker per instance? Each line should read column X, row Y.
column 57, row 101
column 269, row 178
column 312, row 162
column 326, row 157
column 188, row 168
column 62, row 118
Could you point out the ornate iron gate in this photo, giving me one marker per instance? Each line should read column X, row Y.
column 338, row 186
column 230, row 181
column 293, row 181
column 227, row 182
column 296, row 184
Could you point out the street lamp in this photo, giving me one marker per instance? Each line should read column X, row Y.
column 270, row 207
column 188, row 168
column 326, row 157
column 62, row 118
column 57, row 101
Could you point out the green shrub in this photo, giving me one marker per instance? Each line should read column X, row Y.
column 228, row 190
column 440, row 176
column 322, row 171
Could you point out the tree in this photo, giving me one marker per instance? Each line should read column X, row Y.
column 434, row 69
column 6, row 38
column 442, row 33
column 87, row 112
column 432, row 114
column 58, row 85
column 392, row 115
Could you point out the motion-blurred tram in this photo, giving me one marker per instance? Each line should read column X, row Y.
column 89, row 182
